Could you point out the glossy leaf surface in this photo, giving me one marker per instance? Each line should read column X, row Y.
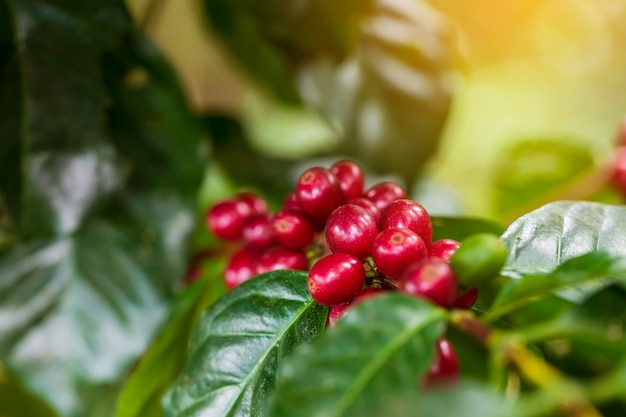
column 89, row 278
column 57, row 164
column 238, row 343
column 545, row 238
column 379, row 350
column 165, row 359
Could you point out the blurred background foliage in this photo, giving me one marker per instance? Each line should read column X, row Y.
column 495, row 107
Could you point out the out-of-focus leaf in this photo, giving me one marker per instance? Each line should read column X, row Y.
column 141, row 396
column 370, row 357
column 78, row 308
column 56, row 162
column 465, row 399
column 15, row 401
column 533, row 170
column 583, row 276
column 379, row 70
column 586, row 338
column 544, row 238
column 458, row 228
column 238, row 343
column 244, row 164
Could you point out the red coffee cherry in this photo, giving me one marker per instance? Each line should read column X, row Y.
column 432, row 279
column 383, row 193
column 256, row 203
column 445, row 369
column 335, row 279
column 338, row 311
column 619, row 170
column 351, row 229
column 443, row 249
column 292, row 229
column 367, row 205
column 227, row 217
column 395, row 250
column 319, row 192
column 350, row 177
column 292, row 203
column 407, row 214
column 240, row 267
column 257, row 231
column 280, row 257
column 466, row 300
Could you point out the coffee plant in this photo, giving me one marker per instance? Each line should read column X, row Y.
column 154, row 262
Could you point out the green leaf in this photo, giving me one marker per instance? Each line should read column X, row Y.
column 376, row 352
column 388, row 96
column 586, row 338
column 59, row 163
column 532, row 170
column 15, row 401
column 77, row 309
column 458, row 228
column 161, row 365
column 238, row 343
column 465, row 399
column 576, row 278
column 150, row 122
column 545, row 238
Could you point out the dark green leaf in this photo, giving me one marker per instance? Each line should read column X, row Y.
column 238, row 343
column 458, row 228
column 150, row 122
column 15, row 401
column 389, row 95
column 141, row 396
column 78, row 309
column 543, row 239
column 60, row 164
column 586, row 338
column 378, row 351
column 576, row 279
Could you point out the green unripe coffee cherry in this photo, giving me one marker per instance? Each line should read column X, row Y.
column 479, row 259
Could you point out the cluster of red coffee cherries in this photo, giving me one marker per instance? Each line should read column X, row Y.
column 358, row 243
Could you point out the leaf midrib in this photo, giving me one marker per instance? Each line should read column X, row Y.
column 368, row 372
column 275, row 341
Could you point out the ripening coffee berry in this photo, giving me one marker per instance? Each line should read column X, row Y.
column 395, row 250
column 383, row 193
column 407, row 214
column 240, row 267
column 466, row 300
column 255, row 202
column 351, row 229
column 319, row 192
column 227, row 217
column 257, row 231
column 280, row 257
column 350, row 177
column 367, row 205
column 619, row 169
column 479, row 259
column 292, row 229
column 432, row 279
column 335, row 279
column 338, row 311
column 445, row 368
column 291, row 202
column 443, row 249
